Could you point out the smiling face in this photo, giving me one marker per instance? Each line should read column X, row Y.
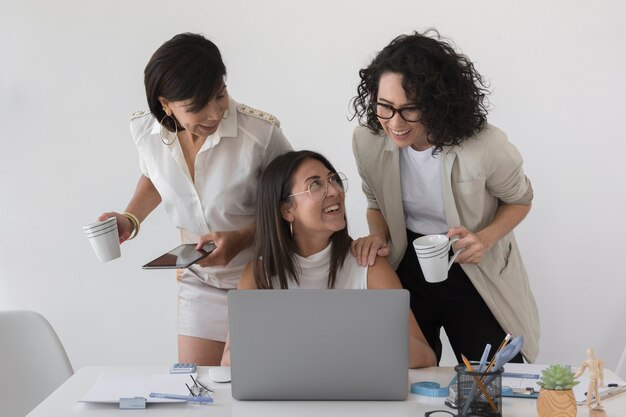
column 204, row 122
column 314, row 222
column 401, row 132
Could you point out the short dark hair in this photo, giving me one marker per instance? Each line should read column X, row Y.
column 188, row 66
column 442, row 83
column 274, row 247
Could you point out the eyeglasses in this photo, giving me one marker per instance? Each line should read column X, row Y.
column 198, row 389
column 439, row 413
column 385, row 111
column 318, row 188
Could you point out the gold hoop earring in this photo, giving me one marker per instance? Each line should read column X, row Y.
column 163, row 138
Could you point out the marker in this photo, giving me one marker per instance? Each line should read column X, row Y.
column 189, row 398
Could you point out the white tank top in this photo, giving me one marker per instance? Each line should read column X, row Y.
column 422, row 196
column 314, row 269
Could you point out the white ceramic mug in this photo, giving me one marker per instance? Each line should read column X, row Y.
column 432, row 254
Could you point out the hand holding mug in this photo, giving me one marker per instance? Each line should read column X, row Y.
column 471, row 245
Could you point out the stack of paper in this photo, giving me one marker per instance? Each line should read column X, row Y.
column 109, row 388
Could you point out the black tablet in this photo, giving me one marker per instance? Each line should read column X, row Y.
column 182, row 256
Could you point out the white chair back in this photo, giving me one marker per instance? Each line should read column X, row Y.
column 33, row 362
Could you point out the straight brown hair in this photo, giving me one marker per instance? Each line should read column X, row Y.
column 274, row 247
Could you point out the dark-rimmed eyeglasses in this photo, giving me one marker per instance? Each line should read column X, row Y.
column 318, row 187
column 439, row 413
column 385, row 111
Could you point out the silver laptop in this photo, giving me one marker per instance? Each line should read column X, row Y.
column 319, row 344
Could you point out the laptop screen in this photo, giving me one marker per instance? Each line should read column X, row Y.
column 304, row 344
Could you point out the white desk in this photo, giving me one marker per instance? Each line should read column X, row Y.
column 63, row 402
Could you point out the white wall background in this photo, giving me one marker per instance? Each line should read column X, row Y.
column 71, row 74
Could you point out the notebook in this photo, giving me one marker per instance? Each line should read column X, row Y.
column 319, row 344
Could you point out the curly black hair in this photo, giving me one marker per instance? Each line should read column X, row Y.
column 443, row 84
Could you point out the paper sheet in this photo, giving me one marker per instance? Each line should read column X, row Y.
column 110, row 387
column 579, row 389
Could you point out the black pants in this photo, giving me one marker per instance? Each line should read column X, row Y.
column 453, row 304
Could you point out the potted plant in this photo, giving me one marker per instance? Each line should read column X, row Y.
column 556, row 397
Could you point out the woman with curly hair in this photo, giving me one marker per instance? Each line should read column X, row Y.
column 431, row 164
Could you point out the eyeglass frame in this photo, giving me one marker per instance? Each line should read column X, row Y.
column 429, row 413
column 374, row 104
column 198, row 389
column 343, row 185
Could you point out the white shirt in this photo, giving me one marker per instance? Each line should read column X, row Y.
column 422, row 196
column 313, row 273
column 227, row 169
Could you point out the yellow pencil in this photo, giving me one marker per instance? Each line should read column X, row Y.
column 480, row 385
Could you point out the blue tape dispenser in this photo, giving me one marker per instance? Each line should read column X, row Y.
column 429, row 389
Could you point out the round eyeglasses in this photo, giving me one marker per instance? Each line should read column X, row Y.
column 385, row 111
column 318, row 187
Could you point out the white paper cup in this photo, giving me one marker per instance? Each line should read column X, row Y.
column 432, row 254
column 99, row 225
column 105, row 242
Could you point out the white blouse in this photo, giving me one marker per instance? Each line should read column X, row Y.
column 227, row 169
column 313, row 273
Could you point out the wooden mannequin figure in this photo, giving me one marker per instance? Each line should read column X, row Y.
column 596, row 377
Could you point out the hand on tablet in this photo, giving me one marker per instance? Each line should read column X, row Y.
column 229, row 244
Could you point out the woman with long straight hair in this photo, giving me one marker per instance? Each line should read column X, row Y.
column 302, row 238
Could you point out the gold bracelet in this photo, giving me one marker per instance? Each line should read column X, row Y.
column 135, row 221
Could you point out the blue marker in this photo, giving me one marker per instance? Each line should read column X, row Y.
column 189, row 398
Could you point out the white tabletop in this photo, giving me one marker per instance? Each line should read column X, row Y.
column 64, row 401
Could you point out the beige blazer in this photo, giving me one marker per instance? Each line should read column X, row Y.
column 476, row 177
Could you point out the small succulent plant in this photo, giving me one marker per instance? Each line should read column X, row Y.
column 557, row 377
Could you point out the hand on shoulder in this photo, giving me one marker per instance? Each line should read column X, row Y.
column 366, row 249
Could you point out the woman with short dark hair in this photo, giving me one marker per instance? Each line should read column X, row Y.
column 201, row 154
column 431, row 164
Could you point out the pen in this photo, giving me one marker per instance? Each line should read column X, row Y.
column 190, row 398
column 614, row 389
column 493, row 358
column 612, row 392
column 519, row 375
column 483, row 358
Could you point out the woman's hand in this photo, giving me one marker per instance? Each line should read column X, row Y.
column 228, row 245
column 473, row 247
column 365, row 249
column 124, row 225
column 476, row 244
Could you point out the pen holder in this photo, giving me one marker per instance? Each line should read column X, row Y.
column 479, row 393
